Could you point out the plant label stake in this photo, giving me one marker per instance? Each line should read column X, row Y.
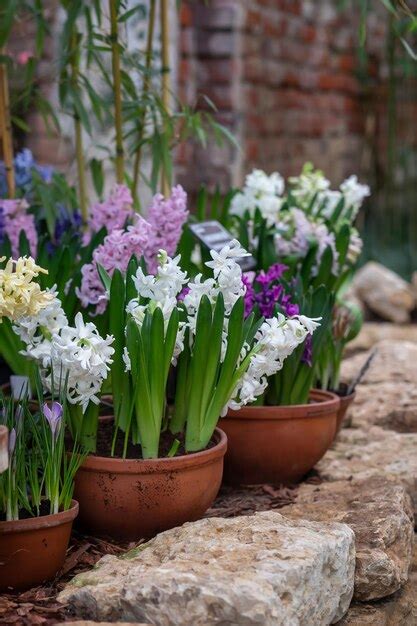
column 20, row 387
column 213, row 236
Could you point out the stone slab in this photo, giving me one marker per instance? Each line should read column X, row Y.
column 360, row 454
column 399, row 609
column 379, row 511
column 387, row 395
column 374, row 332
column 258, row 570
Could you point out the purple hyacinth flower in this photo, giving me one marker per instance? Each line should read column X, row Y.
column 184, row 292
column 53, row 416
column 307, row 357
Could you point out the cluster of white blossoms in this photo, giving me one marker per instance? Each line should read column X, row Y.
column 260, row 192
column 276, row 339
column 160, row 290
column 78, row 355
column 170, row 284
column 83, row 356
column 227, row 279
column 311, row 191
column 311, row 207
column 295, row 233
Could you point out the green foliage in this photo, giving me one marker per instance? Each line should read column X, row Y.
column 39, row 467
column 292, row 384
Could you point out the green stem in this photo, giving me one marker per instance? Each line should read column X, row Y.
column 165, row 81
column 79, row 152
column 146, row 86
column 117, row 89
column 6, row 130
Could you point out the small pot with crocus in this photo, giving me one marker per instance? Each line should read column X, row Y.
column 36, row 487
column 36, row 506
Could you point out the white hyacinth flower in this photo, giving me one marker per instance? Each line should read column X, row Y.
column 354, row 193
column 276, row 339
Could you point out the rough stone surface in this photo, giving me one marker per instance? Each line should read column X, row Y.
column 379, row 512
column 263, row 569
column 387, row 395
column 399, row 609
column 393, row 362
column 360, row 454
column 391, row 405
column 384, row 292
column 373, row 332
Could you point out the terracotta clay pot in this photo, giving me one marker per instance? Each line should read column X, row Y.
column 345, row 402
column 131, row 499
column 33, row 550
column 279, row 444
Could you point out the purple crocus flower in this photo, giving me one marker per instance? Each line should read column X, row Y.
column 53, row 416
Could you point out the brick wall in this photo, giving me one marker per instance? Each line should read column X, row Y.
column 283, row 74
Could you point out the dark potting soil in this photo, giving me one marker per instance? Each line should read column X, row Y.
column 342, row 391
column 134, row 451
column 44, row 509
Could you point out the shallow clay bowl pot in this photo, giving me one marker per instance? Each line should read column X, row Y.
column 131, row 499
column 279, row 444
column 32, row 550
column 345, row 402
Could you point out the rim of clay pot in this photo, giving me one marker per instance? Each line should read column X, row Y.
column 151, row 466
column 43, row 521
column 322, row 403
column 349, row 398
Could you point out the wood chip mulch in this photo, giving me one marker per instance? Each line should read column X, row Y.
column 39, row 605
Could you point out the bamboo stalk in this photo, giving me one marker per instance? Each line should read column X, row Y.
column 146, row 86
column 165, row 80
column 117, row 88
column 6, row 131
column 79, row 151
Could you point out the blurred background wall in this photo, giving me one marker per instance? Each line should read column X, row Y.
column 294, row 81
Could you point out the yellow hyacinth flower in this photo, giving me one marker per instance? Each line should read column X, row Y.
column 19, row 295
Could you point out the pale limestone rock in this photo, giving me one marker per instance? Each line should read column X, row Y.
column 373, row 332
column 379, row 511
column 398, row 610
column 387, row 395
column 391, row 405
column 360, row 454
column 384, row 292
column 256, row 570
column 394, row 361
